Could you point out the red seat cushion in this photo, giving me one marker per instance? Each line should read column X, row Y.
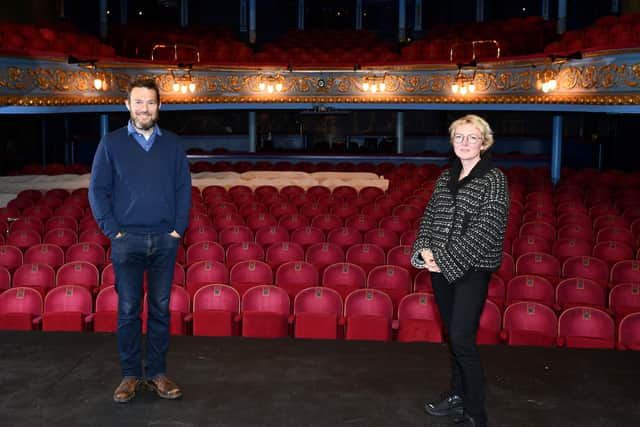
column 487, row 337
column 63, row 321
column 105, row 321
column 419, row 330
column 368, row 327
column 586, row 342
column 16, row 321
column 176, row 323
column 530, row 338
column 213, row 323
column 259, row 324
column 316, row 325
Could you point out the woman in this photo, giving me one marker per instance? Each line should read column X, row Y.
column 460, row 242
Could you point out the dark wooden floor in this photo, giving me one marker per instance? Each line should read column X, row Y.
column 66, row 379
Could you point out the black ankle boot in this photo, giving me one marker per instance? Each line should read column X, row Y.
column 447, row 405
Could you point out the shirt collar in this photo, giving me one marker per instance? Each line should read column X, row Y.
column 132, row 130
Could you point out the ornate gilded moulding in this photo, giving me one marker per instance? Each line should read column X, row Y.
column 612, row 79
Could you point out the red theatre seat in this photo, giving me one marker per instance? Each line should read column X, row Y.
column 203, row 251
column 588, row 267
column 586, row 327
column 265, row 312
column 344, row 278
column 625, row 271
column 629, row 333
column 490, row 324
column 235, row 234
column 204, row 273
column 294, row 276
column 393, row 280
column 106, row 316
column 539, row 264
column 419, row 319
column 86, row 251
column 529, row 323
column 576, row 291
column 368, row 315
column 67, row 308
column 249, row 273
column 280, row 252
column 365, row 255
column 317, row 314
column 20, row 309
column 530, row 287
column 215, row 311
column 40, row 277
column 624, row 298
column 237, row 252
column 324, row 254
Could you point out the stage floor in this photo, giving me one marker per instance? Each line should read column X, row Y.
column 66, row 379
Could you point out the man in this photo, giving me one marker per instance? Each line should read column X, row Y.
column 140, row 195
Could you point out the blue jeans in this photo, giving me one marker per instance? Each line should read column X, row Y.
column 461, row 304
column 132, row 255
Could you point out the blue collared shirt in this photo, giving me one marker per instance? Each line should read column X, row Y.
column 140, row 139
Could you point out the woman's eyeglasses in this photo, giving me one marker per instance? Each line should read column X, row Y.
column 472, row 139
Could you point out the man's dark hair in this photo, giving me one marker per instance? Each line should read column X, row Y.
column 146, row 83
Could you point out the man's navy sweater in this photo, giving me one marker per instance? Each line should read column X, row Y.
column 132, row 190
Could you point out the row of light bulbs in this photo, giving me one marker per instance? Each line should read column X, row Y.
column 270, row 87
column 462, row 85
column 465, row 85
column 374, row 87
column 463, row 88
column 183, row 87
column 547, row 83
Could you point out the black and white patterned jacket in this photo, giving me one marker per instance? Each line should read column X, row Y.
column 465, row 221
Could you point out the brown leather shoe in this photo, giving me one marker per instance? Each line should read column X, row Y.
column 126, row 390
column 164, row 387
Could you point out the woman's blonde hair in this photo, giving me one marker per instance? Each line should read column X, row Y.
column 478, row 122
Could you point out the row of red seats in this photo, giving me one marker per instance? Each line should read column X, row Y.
column 48, row 269
column 52, row 169
column 609, row 250
column 607, row 32
column 522, row 180
column 389, row 231
column 589, row 267
column 307, row 243
column 93, row 245
column 582, row 283
column 46, row 39
column 620, row 300
column 136, row 41
column 265, row 311
column 516, row 36
column 63, row 237
column 609, row 186
column 598, row 201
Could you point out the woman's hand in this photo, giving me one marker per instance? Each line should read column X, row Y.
column 429, row 262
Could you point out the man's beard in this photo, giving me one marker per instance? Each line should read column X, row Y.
column 150, row 123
